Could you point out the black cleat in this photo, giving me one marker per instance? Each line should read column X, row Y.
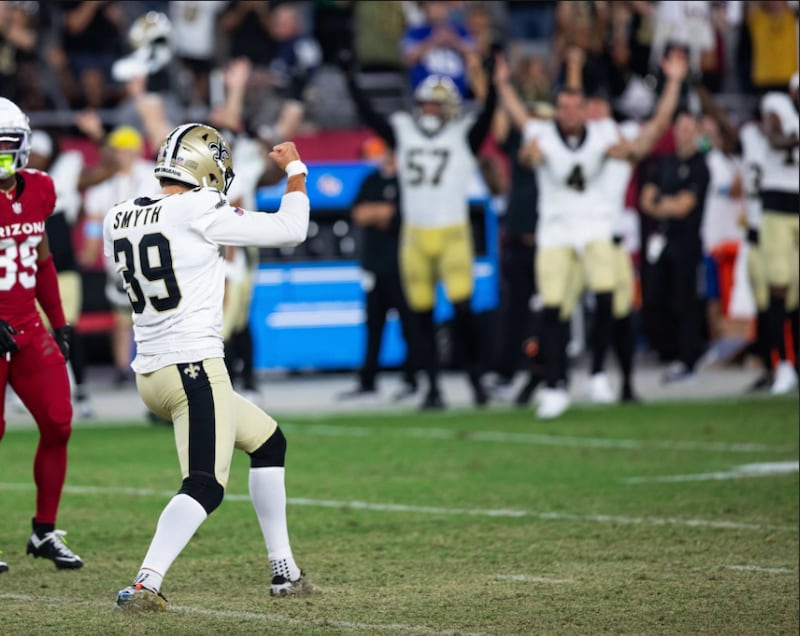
column 52, row 546
column 281, row 586
column 432, row 402
column 479, row 395
column 762, row 383
column 526, row 392
column 3, row 565
column 628, row 396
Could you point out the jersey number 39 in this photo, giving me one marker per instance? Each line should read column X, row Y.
column 18, row 262
column 161, row 270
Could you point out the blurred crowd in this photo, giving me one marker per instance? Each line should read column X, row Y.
column 117, row 74
column 65, row 56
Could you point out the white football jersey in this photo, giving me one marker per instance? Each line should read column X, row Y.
column 782, row 167
column 167, row 251
column 721, row 213
column 611, row 185
column 754, row 153
column 66, row 171
column 434, row 171
column 567, row 182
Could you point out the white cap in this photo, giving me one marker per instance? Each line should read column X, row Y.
column 794, row 82
column 41, row 143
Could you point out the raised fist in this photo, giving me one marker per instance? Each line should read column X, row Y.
column 284, row 153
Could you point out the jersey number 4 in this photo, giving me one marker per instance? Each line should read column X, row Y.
column 160, row 270
column 18, row 262
column 576, row 180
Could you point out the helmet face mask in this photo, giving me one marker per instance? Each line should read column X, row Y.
column 437, row 90
column 15, row 136
column 197, row 155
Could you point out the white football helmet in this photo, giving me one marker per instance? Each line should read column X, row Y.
column 150, row 37
column 437, row 89
column 15, row 138
column 197, row 155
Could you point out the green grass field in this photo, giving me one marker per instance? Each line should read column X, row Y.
column 458, row 523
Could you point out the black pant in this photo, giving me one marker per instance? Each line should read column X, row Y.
column 672, row 301
column 387, row 293
column 518, row 285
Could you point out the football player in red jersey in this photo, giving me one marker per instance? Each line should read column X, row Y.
column 32, row 361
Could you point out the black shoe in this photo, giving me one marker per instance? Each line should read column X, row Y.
column 761, row 383
column 526, row 392
column 52, row 546
column 628, row 396
column 3, row 565
column 432, row 402
column 479, row 395
column 281, row 586
column 359, row 392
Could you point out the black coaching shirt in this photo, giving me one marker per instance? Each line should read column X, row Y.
column 671, row 174
column 521, row 207
column 379, row 247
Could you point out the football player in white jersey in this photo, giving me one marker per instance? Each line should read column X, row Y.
column 435, row 148
column 167, row 251
column 754, row 149
column 780, row 222
column 577, row 216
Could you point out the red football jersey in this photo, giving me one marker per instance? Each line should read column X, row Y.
column 22, row 219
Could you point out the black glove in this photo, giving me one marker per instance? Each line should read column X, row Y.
column 7, row 342
column 63, row 335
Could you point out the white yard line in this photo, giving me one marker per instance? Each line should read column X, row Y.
column 758, row 568
column 524, row 578
column 745, row 471
column 257, row 616
column 435, row 510
column 539, row 439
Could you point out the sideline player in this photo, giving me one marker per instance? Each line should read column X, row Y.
column 435, row 148
column 167, row 251
column 31, row 360
column 754, row 150
column 780, row 219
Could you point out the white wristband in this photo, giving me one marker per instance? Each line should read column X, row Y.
column 296, row 167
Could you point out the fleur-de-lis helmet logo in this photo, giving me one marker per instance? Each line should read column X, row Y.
column 220, row 152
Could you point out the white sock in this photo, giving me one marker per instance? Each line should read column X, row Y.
column 268, row 494
column 149, row 579
column 177, row 524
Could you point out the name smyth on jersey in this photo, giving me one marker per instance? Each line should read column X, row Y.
column 127, row 218
column 21, row 229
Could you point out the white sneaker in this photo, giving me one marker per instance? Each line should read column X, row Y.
column 552, row 403
column 785, row 379
column 600, row 389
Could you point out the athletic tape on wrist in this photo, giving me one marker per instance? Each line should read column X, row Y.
column 296, row 167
